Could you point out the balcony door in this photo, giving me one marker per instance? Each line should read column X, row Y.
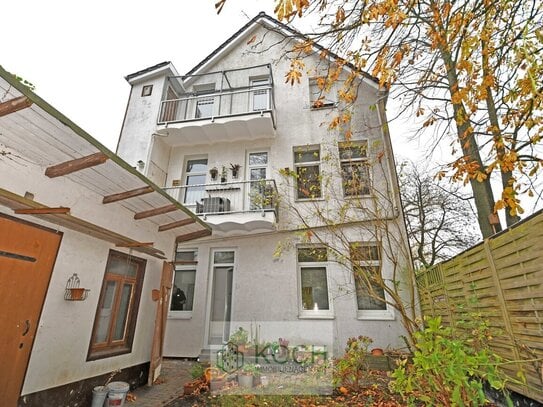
column 257, row 174
column 195, row 177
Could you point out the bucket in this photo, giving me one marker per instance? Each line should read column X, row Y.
column 99, row 394
column 117, row 393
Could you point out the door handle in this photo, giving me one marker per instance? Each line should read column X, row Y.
column 27, row 327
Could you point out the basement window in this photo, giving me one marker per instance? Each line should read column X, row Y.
column 115, row 320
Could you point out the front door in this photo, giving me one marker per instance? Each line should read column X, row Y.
column 27, row 256
column 221, row 297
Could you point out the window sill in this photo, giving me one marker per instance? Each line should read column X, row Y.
column 302, row 200
column 316, row 316
column 179, row 314
column 326, row 106
column 375, row 316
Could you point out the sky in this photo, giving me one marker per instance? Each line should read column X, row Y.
column 78, row 53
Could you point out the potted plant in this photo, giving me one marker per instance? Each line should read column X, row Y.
column 197, row 373
column 235, row 170
column 214, row 172
column 246, row 375
column 240, row 339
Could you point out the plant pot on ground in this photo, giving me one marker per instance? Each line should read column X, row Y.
column 192, row 387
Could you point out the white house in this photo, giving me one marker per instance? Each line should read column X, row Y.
column 291, row 200
column 84, row 240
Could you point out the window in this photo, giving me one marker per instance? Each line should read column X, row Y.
column 319, row 97
column 195, row 174
column 258, row 171
column 204, row 104
column 370, row 294
column 115, row 320
column 312, row 268
column 307, row 167
column 184, row 280
column 355, row 174
column 261, row 94
column 147, row 90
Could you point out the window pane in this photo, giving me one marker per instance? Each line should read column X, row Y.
column 120, row 323
column 223, row 257
column 369, row 299
column 122, row 266
column 204, row 107
column 105, row 312
column 356, row 178
column 191, row 255
column 183, row 290
column 348, row 151
column 364, row 252
column 314, row 288
column 197, row 165
column 308, row 181
column 258, row 158
column 307, row 254
column 194, row 194
column 304, row 156
column 260, row 96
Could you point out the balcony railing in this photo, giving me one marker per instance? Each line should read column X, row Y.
column 223, row 198
column 233, row 102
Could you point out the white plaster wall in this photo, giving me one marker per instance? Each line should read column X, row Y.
column 63, row 336
column 140, row 121
column 266, row 293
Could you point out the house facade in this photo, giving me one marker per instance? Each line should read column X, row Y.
column 85, row 249
column 306, row 216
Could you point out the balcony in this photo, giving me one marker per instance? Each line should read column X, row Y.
column 239, row 206
column 225, row 106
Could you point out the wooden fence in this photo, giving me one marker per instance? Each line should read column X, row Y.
column 502, row 280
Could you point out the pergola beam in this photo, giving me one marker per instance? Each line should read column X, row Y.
column 127, row 194
column 193, row 235
column 156, row 211
column 14, row 105
column 176, row 224
column 41, row 211
column 78, row 164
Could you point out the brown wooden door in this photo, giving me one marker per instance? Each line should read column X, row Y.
column 27, row 256
column 160, row 322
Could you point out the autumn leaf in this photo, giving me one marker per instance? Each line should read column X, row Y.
column 253, row 38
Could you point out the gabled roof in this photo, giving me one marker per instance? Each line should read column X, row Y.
column 151, row 69
column 263, row 18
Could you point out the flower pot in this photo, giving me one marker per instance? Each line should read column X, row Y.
column 77, row 293
column 190, row 387
column 377, row 352
column 216, row 384
column 245, row 381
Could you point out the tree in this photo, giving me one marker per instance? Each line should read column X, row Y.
column 439, row 218
column 469, row 69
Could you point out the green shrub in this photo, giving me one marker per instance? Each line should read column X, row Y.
column 239, row 337
column 448, row 368
column 197, row 371
column 350, row 368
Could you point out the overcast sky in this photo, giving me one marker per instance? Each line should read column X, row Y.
column 77, row 53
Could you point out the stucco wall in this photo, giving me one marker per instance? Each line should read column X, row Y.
column 64, row 332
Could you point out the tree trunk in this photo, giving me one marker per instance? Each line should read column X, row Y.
column 482, row 190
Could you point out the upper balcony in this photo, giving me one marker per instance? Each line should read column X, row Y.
column 224, row 106
column 238, row 206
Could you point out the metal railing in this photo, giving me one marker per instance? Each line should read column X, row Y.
column 220, row 198
column 233, row 102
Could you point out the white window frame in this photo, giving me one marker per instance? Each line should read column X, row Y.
column 186, row 174
column 328, row 102
column 386, row 314
column 315, row 163
column 364, row 161
column 313, row 314
column 184, row 314
column 257, row 85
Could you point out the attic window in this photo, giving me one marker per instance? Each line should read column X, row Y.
column 147, row 90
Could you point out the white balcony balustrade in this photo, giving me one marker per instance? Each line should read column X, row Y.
column 245, row 206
